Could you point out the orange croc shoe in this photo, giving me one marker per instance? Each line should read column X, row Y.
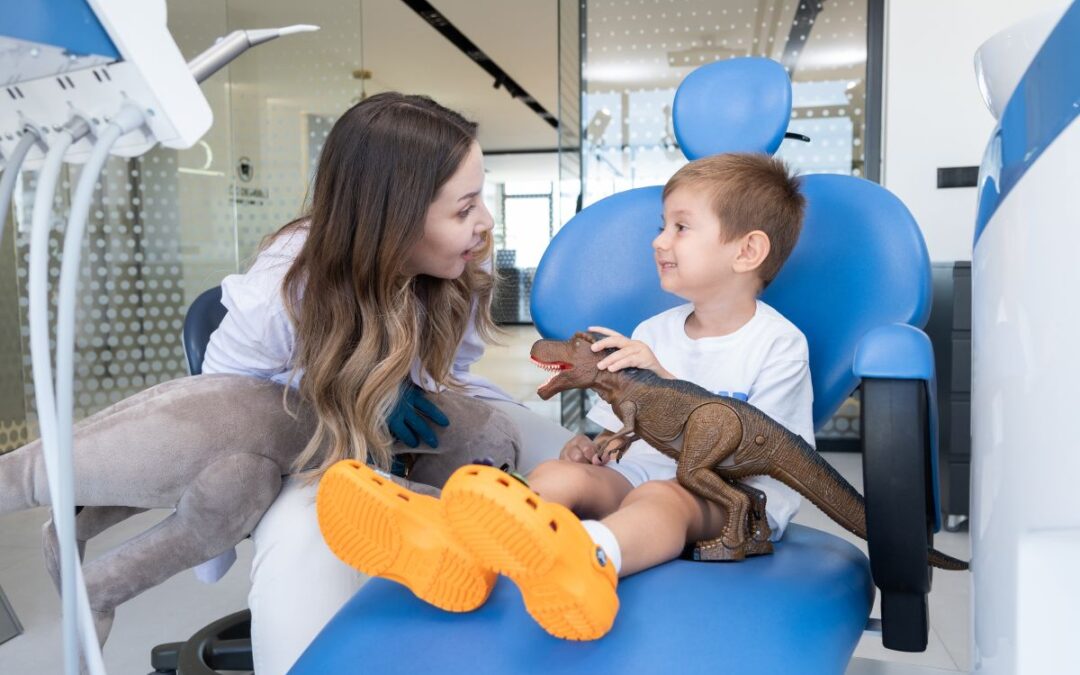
column 384, row 530
column 565, row 579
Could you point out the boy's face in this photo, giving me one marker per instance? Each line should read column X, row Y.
column 691, row 257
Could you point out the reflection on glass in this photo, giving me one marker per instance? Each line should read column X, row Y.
column 524, row 213
column 636, row 53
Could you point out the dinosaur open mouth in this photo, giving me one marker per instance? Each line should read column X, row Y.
column 554, row 368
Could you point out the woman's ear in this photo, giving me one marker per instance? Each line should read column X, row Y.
column 753, row 251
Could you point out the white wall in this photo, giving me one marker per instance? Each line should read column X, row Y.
column 934, row 115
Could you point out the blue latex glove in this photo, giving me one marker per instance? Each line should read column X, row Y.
column 407, row 421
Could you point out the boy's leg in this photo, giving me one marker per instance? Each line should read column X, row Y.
column 383, row 529
column 566, row 580
column 588, row 490
column 398, row 532
column 657, row 519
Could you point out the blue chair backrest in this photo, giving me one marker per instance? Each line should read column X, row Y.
column 203, row 318
column 860, row 263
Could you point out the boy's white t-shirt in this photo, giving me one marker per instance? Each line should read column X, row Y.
column 765, row 362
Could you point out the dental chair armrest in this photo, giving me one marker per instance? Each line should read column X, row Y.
column 899, row 445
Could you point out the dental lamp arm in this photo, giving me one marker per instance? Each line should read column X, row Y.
column 225, row 49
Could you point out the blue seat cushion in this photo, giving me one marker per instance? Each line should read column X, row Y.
column 800, row 610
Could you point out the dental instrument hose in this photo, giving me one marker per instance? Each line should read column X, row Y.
column 74, row 602
column 128, row 119
column 125, row 121
column 11, row 173
column 55, row 408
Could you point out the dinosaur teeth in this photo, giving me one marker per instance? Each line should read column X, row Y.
column 552, row 367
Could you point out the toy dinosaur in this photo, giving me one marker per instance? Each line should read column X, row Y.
column 213, row 449
column 700, row 430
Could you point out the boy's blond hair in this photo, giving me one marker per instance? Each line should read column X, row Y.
column 750, row 191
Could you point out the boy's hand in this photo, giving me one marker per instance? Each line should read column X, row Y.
column 630, row 354
column 578, row 449
column 584, row 451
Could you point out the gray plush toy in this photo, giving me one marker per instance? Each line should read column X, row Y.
column 214, row 449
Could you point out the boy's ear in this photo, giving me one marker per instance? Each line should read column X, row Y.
column 753, row 251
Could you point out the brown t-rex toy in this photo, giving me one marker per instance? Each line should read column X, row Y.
column 700, row 431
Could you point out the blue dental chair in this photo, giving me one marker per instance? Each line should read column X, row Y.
column 858, row 285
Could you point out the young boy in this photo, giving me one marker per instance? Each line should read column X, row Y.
column 729, row 223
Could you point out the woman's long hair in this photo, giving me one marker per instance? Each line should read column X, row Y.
column 360, row 320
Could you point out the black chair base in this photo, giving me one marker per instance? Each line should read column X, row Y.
column 224, row 644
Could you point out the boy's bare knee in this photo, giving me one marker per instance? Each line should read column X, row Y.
column 590, row 491
column 662, row 493
column 559, row 472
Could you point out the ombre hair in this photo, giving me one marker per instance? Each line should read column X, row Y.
column 361, row 320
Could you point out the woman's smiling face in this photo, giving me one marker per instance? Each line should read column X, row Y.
column 456, row 222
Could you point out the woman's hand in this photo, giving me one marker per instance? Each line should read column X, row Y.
column 630, row 354
column 408, row 421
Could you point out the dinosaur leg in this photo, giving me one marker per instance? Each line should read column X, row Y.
column 757, row 525
column 89, row 523
column 219, row 508
column 732, row 544
column 712, row 434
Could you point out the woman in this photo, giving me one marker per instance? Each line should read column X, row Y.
column 380, row 291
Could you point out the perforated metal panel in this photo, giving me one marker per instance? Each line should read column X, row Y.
column 132, row 298
column 13, row 431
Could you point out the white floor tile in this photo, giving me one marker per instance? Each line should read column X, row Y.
column 168, row 613
column 861, row 666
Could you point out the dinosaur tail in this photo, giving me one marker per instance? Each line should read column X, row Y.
column 946, row 562
column 838, row 498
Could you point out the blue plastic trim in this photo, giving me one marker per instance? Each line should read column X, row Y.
column 897, row 351
column 989, row 179
column 903, row 352
column 1044, row 104
column 68, row 24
